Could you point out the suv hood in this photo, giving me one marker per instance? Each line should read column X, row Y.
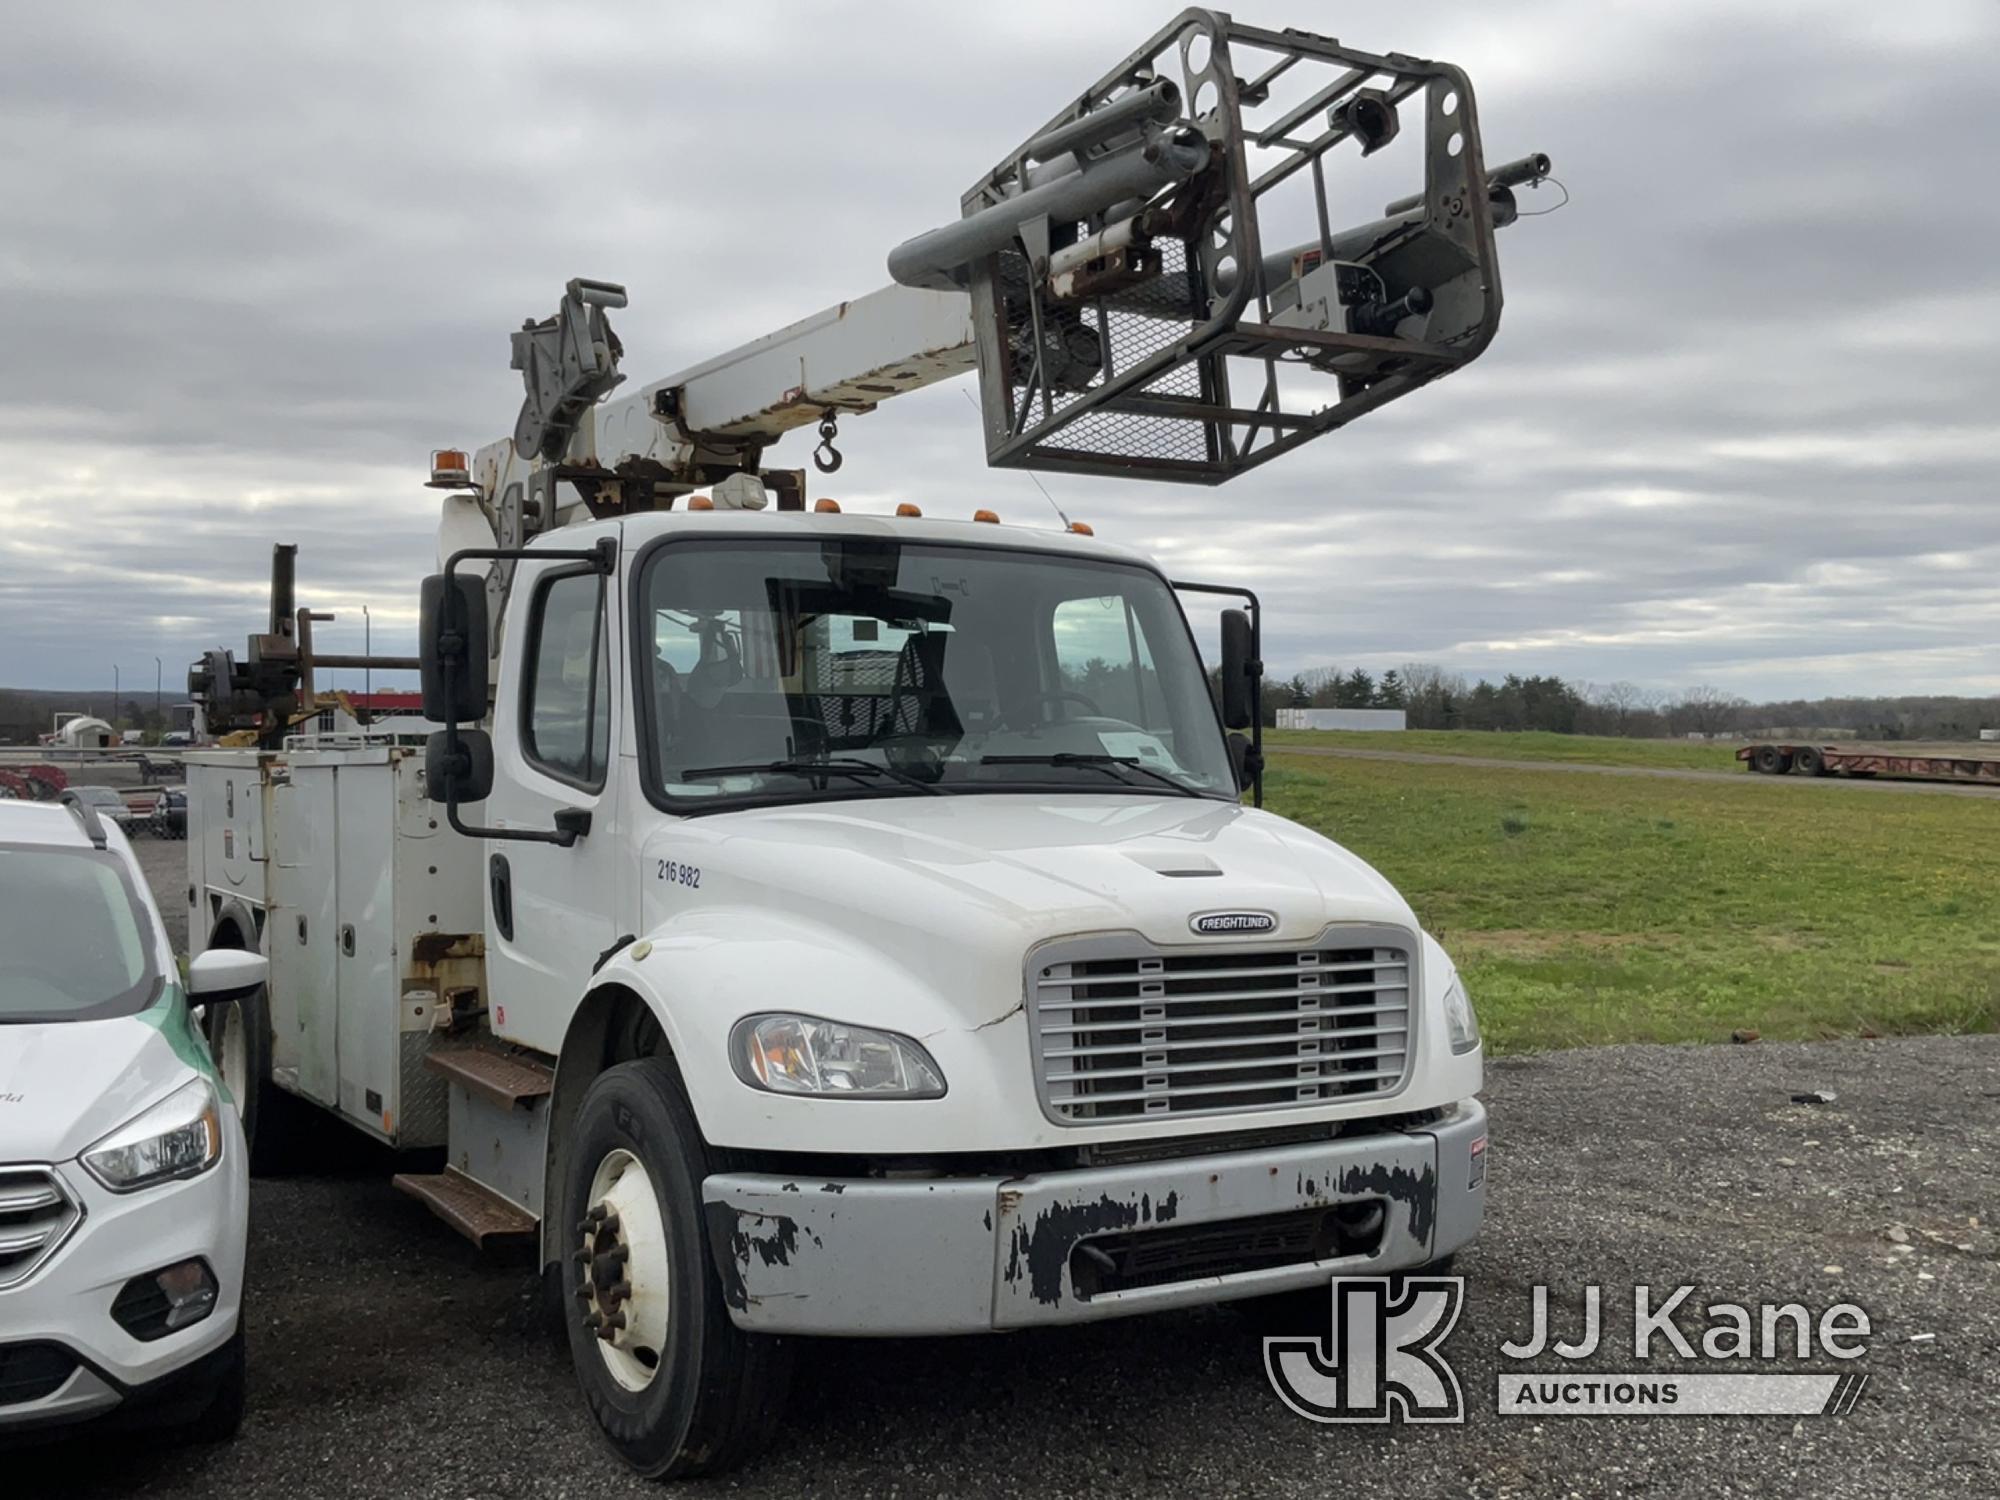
column 66, row 1084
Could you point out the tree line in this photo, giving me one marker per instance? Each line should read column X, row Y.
column 1434, row 697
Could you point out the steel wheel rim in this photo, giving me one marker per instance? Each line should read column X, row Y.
column 625, row 1281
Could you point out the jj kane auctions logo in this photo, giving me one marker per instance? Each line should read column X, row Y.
column 1382, row 1358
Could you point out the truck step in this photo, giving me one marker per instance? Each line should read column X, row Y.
column 475, row 1211
column 506, row 1078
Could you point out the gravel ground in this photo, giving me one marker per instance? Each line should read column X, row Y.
column 389, row 1358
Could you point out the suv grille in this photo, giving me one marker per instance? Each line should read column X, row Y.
column 1124, row 1031
column 36, row 1215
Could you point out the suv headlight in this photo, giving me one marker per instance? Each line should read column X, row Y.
column 181, row 1136
column 1459, row 1022
column 830, row 1059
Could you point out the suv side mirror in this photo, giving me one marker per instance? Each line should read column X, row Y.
column 461, row 772
column 224, row 974
column 451, row 646
column 1240, row 671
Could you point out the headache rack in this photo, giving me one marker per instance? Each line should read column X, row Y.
column 1126, row 1031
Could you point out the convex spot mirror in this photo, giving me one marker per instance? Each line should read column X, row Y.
column 467, row 775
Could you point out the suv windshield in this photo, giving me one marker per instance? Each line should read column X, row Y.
column 75, row 943
column 783, row 670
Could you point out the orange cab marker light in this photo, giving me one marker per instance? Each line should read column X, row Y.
column 700, row 502
column 991, row 517
column 907, row 509
column 1081, row 528
column 826, row 507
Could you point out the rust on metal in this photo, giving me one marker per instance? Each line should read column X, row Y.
column 479, row 1214
column 505, row 1076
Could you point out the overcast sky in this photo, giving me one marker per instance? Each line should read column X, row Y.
column 1738, row 426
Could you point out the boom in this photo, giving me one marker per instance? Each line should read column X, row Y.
column 1095, row 279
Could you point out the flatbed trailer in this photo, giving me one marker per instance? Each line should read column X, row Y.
column 1948, row 760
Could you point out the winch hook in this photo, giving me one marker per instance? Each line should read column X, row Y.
column 826, row 457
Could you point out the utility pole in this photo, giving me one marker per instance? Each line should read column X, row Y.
column 368, row 656
column 159, row 673
column 112, row 719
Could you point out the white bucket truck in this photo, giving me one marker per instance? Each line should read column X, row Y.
column 809, row 922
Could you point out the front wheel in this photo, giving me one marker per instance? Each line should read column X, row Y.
column 675, row 1386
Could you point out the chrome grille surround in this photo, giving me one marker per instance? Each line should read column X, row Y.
column 1124, row 1030
column 37, row 1213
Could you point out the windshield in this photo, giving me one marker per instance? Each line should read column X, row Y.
column 74, row 940
column 784, row 670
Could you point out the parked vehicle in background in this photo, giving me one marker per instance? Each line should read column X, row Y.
column 108, row 801
column 124, row 1176
column 1942, row 760
column 169, row 817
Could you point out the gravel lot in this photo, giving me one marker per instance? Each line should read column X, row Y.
column 389, row 1358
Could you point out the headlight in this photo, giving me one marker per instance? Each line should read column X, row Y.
column 828, row 1059
column 178, row 1137
column 1459, row 1021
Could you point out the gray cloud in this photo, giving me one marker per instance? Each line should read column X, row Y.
column 1737, row 426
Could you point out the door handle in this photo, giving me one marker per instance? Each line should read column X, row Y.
column 500, row 882
column 347, row 939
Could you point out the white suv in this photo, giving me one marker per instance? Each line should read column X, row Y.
column 124, row 1182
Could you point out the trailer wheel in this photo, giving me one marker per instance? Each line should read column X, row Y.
column 239, row 1039
column 677, row 1388
column 1768, row 759
column 1808, row 762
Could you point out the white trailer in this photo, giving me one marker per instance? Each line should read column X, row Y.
column 819, row 923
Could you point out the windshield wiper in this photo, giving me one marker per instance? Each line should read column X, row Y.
column 839, row 765
column 1111, row 765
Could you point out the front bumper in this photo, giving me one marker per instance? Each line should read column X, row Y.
column 974, row 1254
column 56, row 1326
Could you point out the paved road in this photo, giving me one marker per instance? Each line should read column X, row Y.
column 1667, row 773
column 389, row 1358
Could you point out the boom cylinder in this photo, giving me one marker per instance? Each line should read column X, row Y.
column 938, row 259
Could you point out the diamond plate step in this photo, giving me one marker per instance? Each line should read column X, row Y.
column 476, row 1212
column 506, row 1078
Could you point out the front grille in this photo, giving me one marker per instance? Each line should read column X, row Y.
column 36, row 1215
column 1123, row 1031
column 29, row 1372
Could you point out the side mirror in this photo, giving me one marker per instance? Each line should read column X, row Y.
column 1244, row 759
column 1240, row 671
column 451, row 648
column 224, row 974
column 466, row 776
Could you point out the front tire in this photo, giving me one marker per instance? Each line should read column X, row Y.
column 676, row 1387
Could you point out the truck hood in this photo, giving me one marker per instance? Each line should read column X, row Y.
column 64, row 1085
column 992, row 875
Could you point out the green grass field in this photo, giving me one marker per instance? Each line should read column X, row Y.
column 1593, row 749
column 1593, row 909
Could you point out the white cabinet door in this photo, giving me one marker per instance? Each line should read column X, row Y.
column 301, row 933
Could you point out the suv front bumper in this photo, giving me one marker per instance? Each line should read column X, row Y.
column 862, row 1256
column 62, row 1312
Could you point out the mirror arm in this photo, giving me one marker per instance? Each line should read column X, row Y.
column 603, row 559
